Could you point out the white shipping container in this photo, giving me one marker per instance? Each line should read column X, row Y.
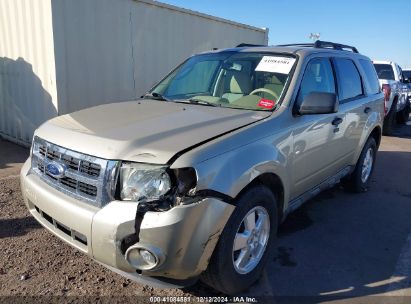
column 28, row 91
column 59, row 56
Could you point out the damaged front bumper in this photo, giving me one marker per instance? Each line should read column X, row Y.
column 182, row 239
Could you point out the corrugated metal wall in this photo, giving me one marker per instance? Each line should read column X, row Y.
column 59, row 56
column 163, row 36
column 93, row 52
column 28, row 94
column 110, row 50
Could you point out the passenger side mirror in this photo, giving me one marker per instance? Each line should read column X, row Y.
column 319, row 103
column 407, row 80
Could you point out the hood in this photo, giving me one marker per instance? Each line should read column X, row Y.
column 147, row 131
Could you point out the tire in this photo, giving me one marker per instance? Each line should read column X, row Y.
column 389, row 121
column 222, row 274
column 402, row 116
column 357, row 180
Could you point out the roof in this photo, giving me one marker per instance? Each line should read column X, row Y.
column 301, row 49
column 292, row 50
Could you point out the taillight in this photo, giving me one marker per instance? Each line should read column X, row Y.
column 386, row 88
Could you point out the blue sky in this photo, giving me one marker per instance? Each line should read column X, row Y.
column 379, row 29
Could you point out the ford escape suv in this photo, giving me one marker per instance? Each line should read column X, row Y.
column 192, row 180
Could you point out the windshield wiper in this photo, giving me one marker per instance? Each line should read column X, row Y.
column 200, row 101
column 156, row 96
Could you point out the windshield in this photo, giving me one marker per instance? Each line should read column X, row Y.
column 384, row 71
column 253, row 81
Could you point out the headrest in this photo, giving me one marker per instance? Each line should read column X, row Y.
column 275, row 80
column 240, row 83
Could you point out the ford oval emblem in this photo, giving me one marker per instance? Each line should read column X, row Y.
column 55, row 169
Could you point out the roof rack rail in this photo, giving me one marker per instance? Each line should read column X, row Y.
column 248, row 45
column 324, row 44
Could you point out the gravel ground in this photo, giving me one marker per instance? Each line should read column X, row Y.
column 33, row 262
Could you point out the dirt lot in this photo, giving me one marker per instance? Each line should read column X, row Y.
column 35, row 263
column 339, row 244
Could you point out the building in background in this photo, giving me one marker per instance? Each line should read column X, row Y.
column 59, row 56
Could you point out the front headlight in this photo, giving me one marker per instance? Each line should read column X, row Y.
column 143, row 182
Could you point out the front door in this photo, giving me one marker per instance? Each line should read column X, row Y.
column 317, row 139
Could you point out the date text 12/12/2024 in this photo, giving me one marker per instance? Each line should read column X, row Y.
column 222, row 299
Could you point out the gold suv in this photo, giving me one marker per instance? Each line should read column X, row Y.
column 192, row 180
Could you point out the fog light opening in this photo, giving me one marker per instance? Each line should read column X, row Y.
column 148, row 257
column 142, row 258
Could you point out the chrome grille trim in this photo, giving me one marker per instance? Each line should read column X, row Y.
column 87, row 178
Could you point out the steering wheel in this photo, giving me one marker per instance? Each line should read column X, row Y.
column 272, row 93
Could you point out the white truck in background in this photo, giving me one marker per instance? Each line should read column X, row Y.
column 397, row 107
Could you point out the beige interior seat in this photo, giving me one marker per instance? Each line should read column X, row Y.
column 239, row 85
column 274, row 85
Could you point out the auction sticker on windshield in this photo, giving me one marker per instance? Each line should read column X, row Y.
column 266, row 103
column 275, row 64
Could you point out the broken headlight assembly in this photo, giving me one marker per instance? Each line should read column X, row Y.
column 142, row 182
column 155, row 188
column 156, row 183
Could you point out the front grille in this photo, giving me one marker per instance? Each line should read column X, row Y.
column 75, row 235
column 72, row 162
column 90, row 168
column 85, row 177
column 87, row 189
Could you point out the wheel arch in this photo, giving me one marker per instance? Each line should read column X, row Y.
column 274, row 183
column 376, row 133
column 395, row 102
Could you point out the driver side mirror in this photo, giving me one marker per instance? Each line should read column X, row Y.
column 319, row 103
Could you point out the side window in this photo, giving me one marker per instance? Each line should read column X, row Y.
column 400, row 74
column 398, row 71
column 318, row 77
column 348, row 78
column 371, row 76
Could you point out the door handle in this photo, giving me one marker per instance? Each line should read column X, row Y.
column 337, row 121
column 367, row 110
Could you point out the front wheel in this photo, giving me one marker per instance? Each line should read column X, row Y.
column 245, row 243
column 360, row 179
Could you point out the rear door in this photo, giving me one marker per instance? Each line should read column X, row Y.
column 355, row 103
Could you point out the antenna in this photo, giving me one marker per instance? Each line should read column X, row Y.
column 314, row 36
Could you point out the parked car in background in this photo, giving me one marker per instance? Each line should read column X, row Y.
column 395, row 94
column 192, row 180
column 407, row 79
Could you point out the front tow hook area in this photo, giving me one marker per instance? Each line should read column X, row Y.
column 178, row 243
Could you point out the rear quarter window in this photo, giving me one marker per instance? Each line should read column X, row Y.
column 349, row 79
column 371, row 77
column 384, row 71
